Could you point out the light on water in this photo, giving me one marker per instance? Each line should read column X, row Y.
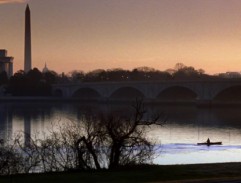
column 179, row 143
column 185, row 127
column 198, row 157
column 193, row 154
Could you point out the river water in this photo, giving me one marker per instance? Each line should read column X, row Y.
column 185, row 126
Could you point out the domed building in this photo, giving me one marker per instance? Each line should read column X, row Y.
column 45, row 69
column 6, row 63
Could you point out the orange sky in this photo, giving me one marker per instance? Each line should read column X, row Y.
column 86, row 35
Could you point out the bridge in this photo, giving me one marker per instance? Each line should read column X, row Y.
column 169, row 91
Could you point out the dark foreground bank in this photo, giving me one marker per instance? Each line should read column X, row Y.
column 177, row 173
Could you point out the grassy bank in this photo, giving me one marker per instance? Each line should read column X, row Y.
column 137, row 174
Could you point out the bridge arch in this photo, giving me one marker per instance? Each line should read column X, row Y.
column 230, row 93
column 86, row 93
column 58, row 92
column 177, row 93
column 126, row 93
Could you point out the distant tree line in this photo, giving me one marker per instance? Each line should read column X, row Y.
column 37, row 83
column 33, row 83
column 180, row 72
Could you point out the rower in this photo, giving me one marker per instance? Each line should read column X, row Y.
column 208, row 141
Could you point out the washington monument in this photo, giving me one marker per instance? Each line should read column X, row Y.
column 27, row 48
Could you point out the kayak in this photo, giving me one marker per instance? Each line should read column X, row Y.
column 210, row 143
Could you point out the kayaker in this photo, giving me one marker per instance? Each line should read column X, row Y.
column 208, row 141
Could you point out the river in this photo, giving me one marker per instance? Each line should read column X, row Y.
column 177, row 138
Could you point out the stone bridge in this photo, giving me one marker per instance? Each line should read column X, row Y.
column 229, row 90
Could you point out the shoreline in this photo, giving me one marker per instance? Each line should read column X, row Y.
column 202, row 173
column 198, row 104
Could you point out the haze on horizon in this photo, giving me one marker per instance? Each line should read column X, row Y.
column 104, row 34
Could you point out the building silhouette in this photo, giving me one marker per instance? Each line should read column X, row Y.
column 6, row 63
column 45, row 69
column 27, row 48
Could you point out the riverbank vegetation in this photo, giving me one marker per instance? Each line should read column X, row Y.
column 95, row 143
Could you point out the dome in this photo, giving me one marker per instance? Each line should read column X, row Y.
column 45, row 69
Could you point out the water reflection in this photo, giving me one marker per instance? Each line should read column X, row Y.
column 5, row 122
column 27, row 129
column 185, row 124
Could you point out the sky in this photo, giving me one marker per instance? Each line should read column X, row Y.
column 105, row 34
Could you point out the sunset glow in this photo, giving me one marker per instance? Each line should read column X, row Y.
column 104, row 34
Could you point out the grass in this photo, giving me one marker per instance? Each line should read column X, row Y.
column 153, row 173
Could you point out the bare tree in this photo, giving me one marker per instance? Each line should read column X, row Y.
column 122, row 139
column 10, row 161
column 128, row 142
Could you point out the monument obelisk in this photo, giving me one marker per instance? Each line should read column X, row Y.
column 27, row 48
